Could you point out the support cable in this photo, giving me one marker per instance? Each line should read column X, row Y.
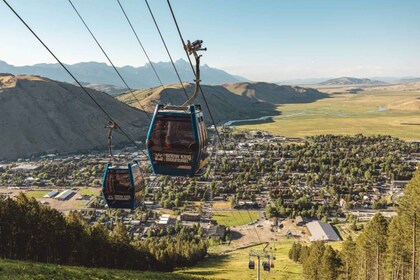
column 110, row 61
column 141, row 45
column 166, row 47
column 73, row 77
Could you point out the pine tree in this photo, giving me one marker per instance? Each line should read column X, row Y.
column 330, row 264
column 409, row 211
column 371, row 247
column 311, row 265
column 348, row 257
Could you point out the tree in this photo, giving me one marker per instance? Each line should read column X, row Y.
column 348, row 257
column 371, row 247
column 311, row 266
column 330, row 264
column 409, row 210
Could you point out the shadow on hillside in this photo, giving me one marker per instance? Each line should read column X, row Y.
column 206, row 267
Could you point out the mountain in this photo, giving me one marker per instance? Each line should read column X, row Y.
column 409, row 80
column 136, row 77
column 228, row 101
column 39, row 115
column 110, row 89
column 351, row 81
column 275, row 94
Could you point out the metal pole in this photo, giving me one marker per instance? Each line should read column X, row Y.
column 258, row 269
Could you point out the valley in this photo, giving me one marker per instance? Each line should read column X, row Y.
column 393, row 110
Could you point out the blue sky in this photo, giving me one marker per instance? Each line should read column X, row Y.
column 267, row 40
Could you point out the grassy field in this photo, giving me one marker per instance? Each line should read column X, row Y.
column 221, row 205
column 234, row 265
column 36, row 194
column 10, row 269
column 235, row 218
column 369, row 112
column 89, row 191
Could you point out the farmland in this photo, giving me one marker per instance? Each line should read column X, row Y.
column 373, row 111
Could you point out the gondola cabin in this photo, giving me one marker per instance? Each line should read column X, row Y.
column 251, row 264
column 123, row 187
column 266, row 265
column 177, row 141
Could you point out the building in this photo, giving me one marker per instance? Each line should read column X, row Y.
column 51, row 194
column 215, row 231
column 65, row 195
column 191, row 217
column 322, row 232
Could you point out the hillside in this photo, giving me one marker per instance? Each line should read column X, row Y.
column 228, row 101
column 136, row 77
column 39, row 115
column 275, row 94
column 11, row 269
column 351, row 81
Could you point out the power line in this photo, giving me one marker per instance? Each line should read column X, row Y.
column 68, row 71
column 113, row 66
column 141, row 45
column 164, row 43
column 195, row 75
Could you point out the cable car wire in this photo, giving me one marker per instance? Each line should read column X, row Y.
column 141, row 45
column 195, row 75
column 110, row 61
column 166, row 47
column 73, row 77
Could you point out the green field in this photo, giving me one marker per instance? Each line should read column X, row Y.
column 234, row 265
column 89, row 191
column 235, row 218
column 36, row 194
column 369, row 112
column 10, row 269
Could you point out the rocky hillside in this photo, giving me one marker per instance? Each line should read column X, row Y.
column 38, row 115
column 351, row 81
column 228, row 101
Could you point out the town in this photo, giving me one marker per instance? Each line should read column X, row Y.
column 258, row 188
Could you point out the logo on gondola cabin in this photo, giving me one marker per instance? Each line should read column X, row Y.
column 119, row 197
column 180, row 158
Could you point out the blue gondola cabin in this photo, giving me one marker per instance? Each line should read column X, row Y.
column 177, row 141
column 123, row 187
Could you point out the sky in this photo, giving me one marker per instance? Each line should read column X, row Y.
column 262, row 40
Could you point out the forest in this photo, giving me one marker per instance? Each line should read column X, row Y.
column 386, row 248
column 34, row 232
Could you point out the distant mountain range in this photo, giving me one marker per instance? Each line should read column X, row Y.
column 313, row 81
column 352, row 81
column 136, row 77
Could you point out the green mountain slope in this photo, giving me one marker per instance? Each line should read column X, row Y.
column 11, row 269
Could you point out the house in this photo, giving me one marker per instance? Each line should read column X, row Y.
column 215, row 231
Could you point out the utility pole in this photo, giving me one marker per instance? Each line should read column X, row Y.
column 259, row 255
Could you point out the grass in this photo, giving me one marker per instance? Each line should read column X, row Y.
column 221, row 205
column 349, row 114
column 89, row 191
column 11, row 269
column 234, row 265
column 36, row 194
column 235, row 218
